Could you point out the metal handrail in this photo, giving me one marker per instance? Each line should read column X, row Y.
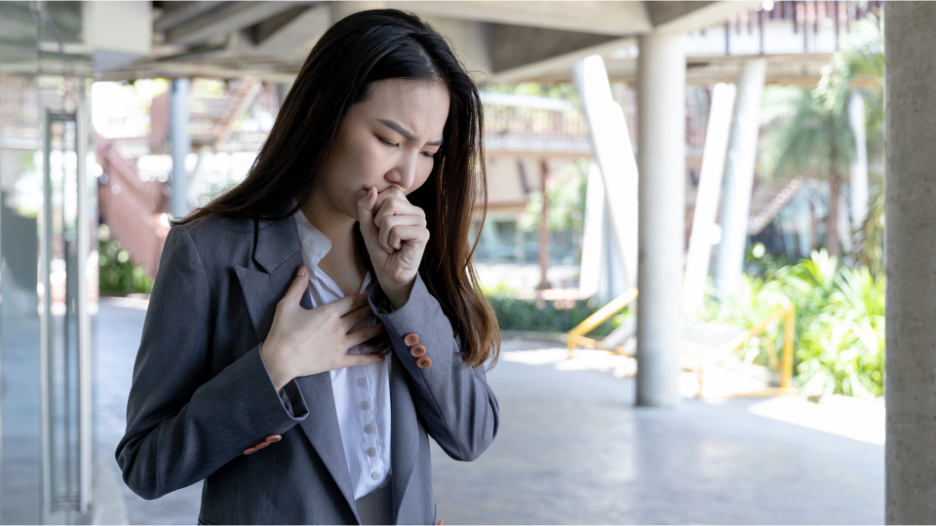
column 577, row 334
column 576, row 337
column 786, row 360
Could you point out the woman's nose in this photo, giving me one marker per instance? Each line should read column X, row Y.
column 404, row 173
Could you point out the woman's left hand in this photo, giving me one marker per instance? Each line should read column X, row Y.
column 396, row 235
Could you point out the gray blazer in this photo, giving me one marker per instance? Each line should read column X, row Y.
column 201, row 394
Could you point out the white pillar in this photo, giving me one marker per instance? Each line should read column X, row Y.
column 910, row 263
column 859, row 168
column 661, row 114
column 739, row 177
column 710, row 182
column 611, row 145
column 180, row 144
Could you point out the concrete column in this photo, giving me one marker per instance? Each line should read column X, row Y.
column 180, row 144
column 739, row 177
column 661, row 114
column 910, row 263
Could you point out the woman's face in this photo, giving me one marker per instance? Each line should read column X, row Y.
column 388, row 139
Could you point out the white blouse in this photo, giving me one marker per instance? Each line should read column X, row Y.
column 362, row 392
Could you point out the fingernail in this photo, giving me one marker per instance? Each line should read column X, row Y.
column 381, row 358
column 302, row 270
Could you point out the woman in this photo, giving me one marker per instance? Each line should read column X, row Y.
column 263, row 368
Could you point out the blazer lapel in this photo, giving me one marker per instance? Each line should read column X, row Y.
column 277, row 255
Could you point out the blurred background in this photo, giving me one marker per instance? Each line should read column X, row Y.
column 683, row 241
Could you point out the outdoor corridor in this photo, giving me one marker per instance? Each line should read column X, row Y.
column 573, row 449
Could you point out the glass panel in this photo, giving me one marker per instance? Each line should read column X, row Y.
column 20, row 201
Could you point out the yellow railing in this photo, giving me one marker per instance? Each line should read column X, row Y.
column 786, row 358
column 576, row 336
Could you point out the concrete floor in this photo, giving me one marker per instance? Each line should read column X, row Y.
column 572, row 449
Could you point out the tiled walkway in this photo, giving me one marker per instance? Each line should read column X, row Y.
column 572, row 449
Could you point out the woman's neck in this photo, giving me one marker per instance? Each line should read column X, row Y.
column 342, row 263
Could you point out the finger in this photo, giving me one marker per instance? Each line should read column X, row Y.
column 297, row 288
column 390, row 222
column 350, row 303
column 365, row 207
column 397, row 205
column 414, row 235
column 350, row 360
column 356, row 316
column 359, row 336
column 392, row 192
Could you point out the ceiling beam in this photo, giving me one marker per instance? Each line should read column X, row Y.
column 518, row 46
column 682, row 17
column 230, row 17
column 293, row 32
column 178, row 13
column 586, row 16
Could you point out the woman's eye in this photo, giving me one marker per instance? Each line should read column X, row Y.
column 388, row 143
column 430, row 155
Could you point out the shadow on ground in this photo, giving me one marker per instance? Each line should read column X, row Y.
column 573, row 449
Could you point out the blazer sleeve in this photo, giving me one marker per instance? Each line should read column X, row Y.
column 456, row 402
column 182, row 424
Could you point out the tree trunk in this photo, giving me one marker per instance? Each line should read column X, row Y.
column 543, row 232
column 832, row 229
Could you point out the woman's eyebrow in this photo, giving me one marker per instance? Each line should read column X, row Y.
column 404, row 132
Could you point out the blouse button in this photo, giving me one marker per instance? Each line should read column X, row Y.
column 375, row 475
column 361, row 382
column 365, row 405
column 369, row 428
column 371, row 451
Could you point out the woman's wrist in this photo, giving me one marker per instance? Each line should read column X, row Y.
column 398, row 295
column 277, row 375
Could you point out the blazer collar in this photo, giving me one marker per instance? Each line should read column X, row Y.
column 276, row 240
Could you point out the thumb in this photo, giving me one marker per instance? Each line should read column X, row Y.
column 365, row 207
column 298, row 287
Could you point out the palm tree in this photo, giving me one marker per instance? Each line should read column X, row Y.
column 811, row 138
column 813, row 133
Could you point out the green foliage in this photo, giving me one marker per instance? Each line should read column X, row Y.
column 869, row 239
column 540, row 315
column 839, row 346
column 566, row 202
column 813, row 134
column 117, row 273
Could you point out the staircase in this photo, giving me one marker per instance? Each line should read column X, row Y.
column 132, row 208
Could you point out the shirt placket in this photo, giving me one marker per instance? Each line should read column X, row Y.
column 367, row 416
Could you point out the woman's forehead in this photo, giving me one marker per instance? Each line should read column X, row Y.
column 420, row 107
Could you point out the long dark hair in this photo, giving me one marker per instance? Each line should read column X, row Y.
column 357, row 51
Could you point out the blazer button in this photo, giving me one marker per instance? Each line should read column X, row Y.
column 418, row 350
column 424, row 363
column 411, row 339
column 250, row 450
column 261, row 445
column 273, row 438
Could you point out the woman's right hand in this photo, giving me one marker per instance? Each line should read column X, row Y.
column 305, row 342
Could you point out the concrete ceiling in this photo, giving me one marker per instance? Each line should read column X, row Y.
column 497, row 40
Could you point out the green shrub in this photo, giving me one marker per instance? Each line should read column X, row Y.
column 839, row 346
column 117, row 275
column 542, row 316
